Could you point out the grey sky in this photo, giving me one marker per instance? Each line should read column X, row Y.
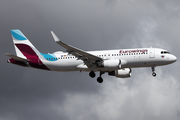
column 31, row 94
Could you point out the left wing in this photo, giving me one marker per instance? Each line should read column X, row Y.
column 88, row 58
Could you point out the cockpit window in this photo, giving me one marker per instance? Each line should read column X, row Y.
column 164, row 52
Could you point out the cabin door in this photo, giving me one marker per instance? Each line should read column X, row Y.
column 151, row 53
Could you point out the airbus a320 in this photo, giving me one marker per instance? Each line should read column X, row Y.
column 116, row 63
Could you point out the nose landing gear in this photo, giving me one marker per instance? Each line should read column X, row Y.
column 154, row 74
column 153, row 69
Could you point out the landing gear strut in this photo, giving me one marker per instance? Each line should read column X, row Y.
column 153, row 74
column 99, row 79
column 92, row 74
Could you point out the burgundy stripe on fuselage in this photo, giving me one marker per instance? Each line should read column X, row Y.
column 29, row 53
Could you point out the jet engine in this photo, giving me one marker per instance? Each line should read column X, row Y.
column 112, row 63
column 116, row 63
column 121, row 73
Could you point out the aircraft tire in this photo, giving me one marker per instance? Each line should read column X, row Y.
column 92, row 74
column 99, row 80
column 154, row 74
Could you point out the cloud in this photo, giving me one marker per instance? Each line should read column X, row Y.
column 27, row 93
column 115, row 100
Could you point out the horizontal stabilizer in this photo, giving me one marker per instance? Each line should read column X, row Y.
column 16, row 57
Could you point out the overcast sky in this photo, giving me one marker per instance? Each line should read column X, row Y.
column 31, row 94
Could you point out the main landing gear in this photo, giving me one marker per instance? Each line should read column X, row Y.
column 153, row 73
column 99, row 79
column 92, row 74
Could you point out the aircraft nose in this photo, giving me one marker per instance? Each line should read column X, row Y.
column 174, row 58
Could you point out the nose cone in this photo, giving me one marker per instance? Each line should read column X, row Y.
column 173, row 58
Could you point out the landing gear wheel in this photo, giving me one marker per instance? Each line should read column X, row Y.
column 99, row 80
column 154, row 74
column 92, row 74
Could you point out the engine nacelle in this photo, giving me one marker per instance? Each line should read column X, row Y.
column 115, row 63
column 122, row 73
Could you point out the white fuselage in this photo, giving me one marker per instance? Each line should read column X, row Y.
column 116, row 63
column 131, row 58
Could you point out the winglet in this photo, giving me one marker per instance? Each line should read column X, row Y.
column 55, row 37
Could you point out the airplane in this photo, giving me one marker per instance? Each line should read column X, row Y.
column 116, row 63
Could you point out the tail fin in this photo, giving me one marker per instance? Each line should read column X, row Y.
column 23, row 46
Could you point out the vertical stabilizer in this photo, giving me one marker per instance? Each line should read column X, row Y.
column 23, row 46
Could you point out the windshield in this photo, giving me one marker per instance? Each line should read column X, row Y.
column 164, row 52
